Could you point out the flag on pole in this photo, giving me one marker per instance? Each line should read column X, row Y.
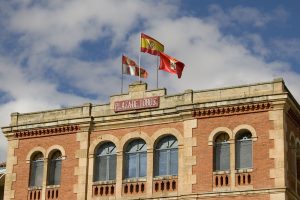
column 131, row 68
column 150, row 45
column 171, row 65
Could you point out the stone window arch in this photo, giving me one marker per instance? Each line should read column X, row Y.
column 166, row 156
column 105, row 162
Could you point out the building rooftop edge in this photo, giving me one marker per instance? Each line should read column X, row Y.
column 139, row 90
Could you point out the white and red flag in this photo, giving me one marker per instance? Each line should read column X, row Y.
column 131, row 68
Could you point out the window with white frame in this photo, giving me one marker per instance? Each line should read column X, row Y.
column 36, row 170
column 243, row 150
column 105, row 162
column 166, row 157
column 222, row 152
column 136, row 159
column 54, row 172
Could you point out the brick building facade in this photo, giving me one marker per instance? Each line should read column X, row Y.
column 236, row 143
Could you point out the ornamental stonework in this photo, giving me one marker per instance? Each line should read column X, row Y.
column 231, row 110
column 48, row 131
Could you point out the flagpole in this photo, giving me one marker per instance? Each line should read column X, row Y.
column 122, row 76
column 157, row 72
column 140, row 58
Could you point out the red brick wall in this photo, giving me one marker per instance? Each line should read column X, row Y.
column 149, row 130
column 68, row 142
column 241, row 197
column 261, row 161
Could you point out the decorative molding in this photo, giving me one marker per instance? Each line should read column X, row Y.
column 47, row 131
column 231, row 110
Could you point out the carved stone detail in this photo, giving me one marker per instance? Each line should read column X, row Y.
column 47, row 131
column 230, row 110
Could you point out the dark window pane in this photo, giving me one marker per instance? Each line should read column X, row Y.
column 57, row 172
column 131, row 166
column 174, row 162
column 143, row 165
column 162, row 162
column 102, row 168
column 97, row 169
column 222, row 156
column 37, row 169
column 244, row 154
column 112, row 167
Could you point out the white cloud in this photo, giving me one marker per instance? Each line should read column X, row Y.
column 212, row 58
column 287, row 48
column 245, row 15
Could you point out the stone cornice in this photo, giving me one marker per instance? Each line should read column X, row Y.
column 231, row 110
column 47, row 131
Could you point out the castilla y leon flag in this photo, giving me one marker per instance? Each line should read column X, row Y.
column 171, row 65
column 150, row 45
column 131, row 68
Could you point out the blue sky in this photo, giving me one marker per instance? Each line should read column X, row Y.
column 64, row 53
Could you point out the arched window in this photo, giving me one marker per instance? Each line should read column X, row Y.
column 166, row 157
column 222, row 152
column 243, row 150
column 55, row 168
column 136, row 159
column 105, row 162
column 36, row 169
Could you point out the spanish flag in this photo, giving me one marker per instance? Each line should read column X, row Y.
column 131, row 68
column 150, row 45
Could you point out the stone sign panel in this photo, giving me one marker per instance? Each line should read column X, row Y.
column 136, row 104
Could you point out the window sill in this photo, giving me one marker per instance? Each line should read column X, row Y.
column 168, row 177
column 35, row 188
column 104, row 182
column 221, row 172
column 132, row 180
column 52, row 186
column 245, row 170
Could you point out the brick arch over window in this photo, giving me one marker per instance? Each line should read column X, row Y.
column 237, row 129
column 212, row 136
column 33, row 151
column 103, row 139
column 126, row 139
column 165, row 132
column 54, row 148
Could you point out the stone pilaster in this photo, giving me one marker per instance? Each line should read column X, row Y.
column 186, row 159
column 81, row 170
column 277, row 153
column 10, row 177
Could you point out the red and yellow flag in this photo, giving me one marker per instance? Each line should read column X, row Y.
column 171, row 65
column 150, row 45
column 131, row 68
